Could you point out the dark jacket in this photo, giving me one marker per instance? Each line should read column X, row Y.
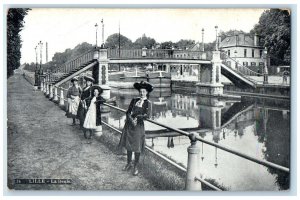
column 133, row 136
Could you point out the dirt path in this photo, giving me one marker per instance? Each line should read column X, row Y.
column 42, row 144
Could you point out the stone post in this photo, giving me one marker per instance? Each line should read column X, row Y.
column 61, row 98
column 50, row 91
column 46, row 88
column 193, row 166
column 55, row 94
column 42, row 85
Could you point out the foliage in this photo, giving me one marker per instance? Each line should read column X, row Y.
column 274, row 27
column 15, row 23
column 184, row 44
column 167, row 45
column 112, row 41
column 144, row 42
column 231, row 32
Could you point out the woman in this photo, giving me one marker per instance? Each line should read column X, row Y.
column 73, row 96
column 86, row 92
column 93, row 114
column 133, row 135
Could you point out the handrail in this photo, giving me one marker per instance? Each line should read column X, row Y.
column 168, row 160
column 251, row 72
column 227, row 149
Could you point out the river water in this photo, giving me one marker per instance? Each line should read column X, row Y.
column 257, row 127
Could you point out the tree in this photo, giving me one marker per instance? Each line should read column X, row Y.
column 15, row 23
column 112, row 41
column 231, row 32
column 183, row 44
column 144, row 42
column 81, row 49
column 167, row 45
column 274, row 27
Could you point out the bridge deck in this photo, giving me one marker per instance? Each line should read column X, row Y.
column 42, row 144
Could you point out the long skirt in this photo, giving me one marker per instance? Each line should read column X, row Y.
column 90, row 118
column 72, row 107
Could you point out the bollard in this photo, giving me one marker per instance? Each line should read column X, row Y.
column 193, row 166
column 51, row 91
column 42, row 86
column 98, row 131
column 61, row 99
column 48, row 90
column 55, row 94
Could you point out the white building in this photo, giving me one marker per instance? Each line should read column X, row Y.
column 245, row 50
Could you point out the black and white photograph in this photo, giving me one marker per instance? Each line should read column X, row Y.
column 148, row 99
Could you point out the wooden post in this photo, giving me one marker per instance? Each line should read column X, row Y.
column 193, row 166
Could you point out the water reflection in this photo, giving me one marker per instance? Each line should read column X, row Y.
column 259, row 128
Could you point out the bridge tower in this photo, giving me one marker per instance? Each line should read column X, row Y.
column 102, row 74
column 210, row 77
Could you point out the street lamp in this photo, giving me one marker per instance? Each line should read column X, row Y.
column 203, row 39
column 36, row 82
column 96, row 26
column 266, row 66
column 41, row 58
column 102, row 45
column 216, row 27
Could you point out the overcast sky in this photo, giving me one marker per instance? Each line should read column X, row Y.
column 65, row 28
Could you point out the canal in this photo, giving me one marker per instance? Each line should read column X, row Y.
column 257, row 127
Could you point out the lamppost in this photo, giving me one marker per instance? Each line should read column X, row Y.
column 96, row 26
column 203, row 39
column 36, row 75
column 41, row 50
column 266, row 66
column 216, row 27
column 102, row 45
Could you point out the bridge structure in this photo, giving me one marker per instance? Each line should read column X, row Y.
column 210, row 67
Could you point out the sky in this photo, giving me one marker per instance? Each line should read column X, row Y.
column 64, row 28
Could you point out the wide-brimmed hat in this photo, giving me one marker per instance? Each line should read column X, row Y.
column 96, row 87
column 74, row 79
column 88, row 78
column 143, row 85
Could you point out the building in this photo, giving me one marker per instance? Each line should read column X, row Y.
column 245, row 49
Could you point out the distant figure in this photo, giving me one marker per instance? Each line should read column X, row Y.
column 285, row 75
column 147, row 75
column 73, row 96
column 93, row 114
column 133, row 134
column 86, row 92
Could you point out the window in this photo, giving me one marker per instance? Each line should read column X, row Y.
column 228, row 53
column 260, row 53
column 245, row 53
column 261, row 64
column 253, row 64
column 252, row 53
column 245, row 63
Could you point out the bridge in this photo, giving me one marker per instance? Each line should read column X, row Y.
column 210, row 67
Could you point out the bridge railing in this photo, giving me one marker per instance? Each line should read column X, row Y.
column 74, row 63
column 193, row 178
column 156, row 53
column 240, row 68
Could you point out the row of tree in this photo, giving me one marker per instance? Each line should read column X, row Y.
column 15, row 23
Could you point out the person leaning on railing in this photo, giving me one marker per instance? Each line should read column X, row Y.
column 133, row 134
column 73, row 96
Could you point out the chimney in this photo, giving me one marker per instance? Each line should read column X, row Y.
column 255, row 40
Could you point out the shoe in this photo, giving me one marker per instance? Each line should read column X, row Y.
column 127, row 167
column 135, row 171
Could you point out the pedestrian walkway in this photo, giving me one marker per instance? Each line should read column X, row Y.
column 42, row 144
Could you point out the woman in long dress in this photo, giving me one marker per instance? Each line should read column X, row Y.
column 93, row 114
column 86, row 92
column 133, row 135
column 73, row 96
